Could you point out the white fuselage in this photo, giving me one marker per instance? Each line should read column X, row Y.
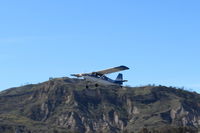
column 99, row 80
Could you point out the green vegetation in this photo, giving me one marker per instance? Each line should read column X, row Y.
column 63, row 105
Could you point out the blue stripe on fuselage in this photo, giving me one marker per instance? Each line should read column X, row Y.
column 102, row 80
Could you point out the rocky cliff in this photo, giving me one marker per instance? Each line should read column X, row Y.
column 64, row 105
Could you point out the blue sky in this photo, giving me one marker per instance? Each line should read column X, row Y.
column 158, row 40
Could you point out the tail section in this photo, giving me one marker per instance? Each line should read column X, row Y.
column 119, row 77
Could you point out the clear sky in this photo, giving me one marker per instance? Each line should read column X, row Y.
column 158, row 39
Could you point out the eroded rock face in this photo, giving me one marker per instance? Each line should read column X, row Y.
column 184, row 117
column 65, row 105
column 96, row 110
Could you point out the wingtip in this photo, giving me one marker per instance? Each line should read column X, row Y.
column 125, row 67
column 72, row 75
column 76, row 75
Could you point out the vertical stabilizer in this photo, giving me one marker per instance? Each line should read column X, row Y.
column 119, row 77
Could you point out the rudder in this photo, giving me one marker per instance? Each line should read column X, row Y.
column 119, row 77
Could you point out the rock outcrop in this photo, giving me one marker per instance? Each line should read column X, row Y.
column 65, row 105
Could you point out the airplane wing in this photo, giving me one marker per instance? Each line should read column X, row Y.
column 107, row 71
column 80, row 74
column 112, row 70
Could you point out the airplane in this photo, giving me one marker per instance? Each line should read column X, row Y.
column 99, row 77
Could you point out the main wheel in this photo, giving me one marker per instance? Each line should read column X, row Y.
column 96, row 85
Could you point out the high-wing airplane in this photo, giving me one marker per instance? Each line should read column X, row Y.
column 100, row 78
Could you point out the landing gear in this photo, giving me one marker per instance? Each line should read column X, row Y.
column 96, row 85
column 87, row 86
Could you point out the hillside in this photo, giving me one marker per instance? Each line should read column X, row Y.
column 64, row 105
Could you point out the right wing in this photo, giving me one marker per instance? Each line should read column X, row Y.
column 106, row 71
column 80, row 74
column 112, row 70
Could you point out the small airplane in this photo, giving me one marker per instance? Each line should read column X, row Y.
column 99, row 77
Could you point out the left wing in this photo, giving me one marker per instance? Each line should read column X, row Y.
column 80, row 74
